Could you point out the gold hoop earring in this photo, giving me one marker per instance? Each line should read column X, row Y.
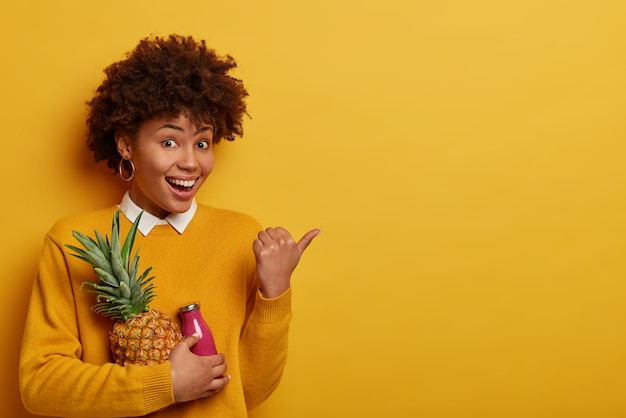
column 131, row 171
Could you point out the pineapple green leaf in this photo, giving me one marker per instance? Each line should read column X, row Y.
column 92, row 284
column 124, row 290
column 104, row 245
column 118, row 269
column 89, row 243
column 129, row 240
column 80, row 253
column 115, row 233
column 92, row 258
column 134, row 266
column 105, row 309
column 141, row 278
column 121, row 294
column 106, row 277
column 145, row 285
column 104, row 291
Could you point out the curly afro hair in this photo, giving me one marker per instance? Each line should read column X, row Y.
column 165, row 76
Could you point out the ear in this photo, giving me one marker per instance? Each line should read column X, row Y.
column 123, row 142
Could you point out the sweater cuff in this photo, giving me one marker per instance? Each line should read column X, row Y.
column 275, row 309
column 157, row 381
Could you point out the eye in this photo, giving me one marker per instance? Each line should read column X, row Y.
column 169, row 143
column 204, row 144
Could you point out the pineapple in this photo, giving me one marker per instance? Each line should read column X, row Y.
column 140, row 335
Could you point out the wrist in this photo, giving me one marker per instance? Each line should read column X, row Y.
column 272, row 292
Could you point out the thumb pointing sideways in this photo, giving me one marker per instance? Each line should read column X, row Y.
column 306, row 240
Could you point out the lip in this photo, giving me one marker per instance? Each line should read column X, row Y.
column 177, row 186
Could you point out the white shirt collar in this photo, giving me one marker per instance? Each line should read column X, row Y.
column 179, row 221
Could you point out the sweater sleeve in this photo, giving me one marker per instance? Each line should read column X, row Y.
column 54, row 380
column 263, row 349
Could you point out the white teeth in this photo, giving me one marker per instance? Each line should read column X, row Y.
column 183, row 183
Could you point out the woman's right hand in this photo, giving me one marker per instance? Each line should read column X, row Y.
column 194, row 376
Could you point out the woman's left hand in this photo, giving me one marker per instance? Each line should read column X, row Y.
column 277, row 255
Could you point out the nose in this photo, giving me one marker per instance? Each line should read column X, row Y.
column 188, row 159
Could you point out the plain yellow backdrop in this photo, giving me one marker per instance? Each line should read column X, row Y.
column 464, row 160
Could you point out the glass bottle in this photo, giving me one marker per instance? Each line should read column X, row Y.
column 193, row 322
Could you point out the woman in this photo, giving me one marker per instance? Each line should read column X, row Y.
column 155, row 120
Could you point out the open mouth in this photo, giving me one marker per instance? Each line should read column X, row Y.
column 183, row 185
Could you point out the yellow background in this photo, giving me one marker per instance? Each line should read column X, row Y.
column 464, row 160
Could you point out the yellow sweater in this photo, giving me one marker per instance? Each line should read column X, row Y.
column 66, row 366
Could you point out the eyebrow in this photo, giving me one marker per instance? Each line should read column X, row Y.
column 178, row 128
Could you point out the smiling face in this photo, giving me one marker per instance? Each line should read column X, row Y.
column 172, row 157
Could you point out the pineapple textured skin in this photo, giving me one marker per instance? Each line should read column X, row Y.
column 146, row 339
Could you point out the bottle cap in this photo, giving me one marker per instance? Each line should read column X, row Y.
column 191, row 307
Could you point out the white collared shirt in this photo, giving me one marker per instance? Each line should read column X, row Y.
column 179, row 221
